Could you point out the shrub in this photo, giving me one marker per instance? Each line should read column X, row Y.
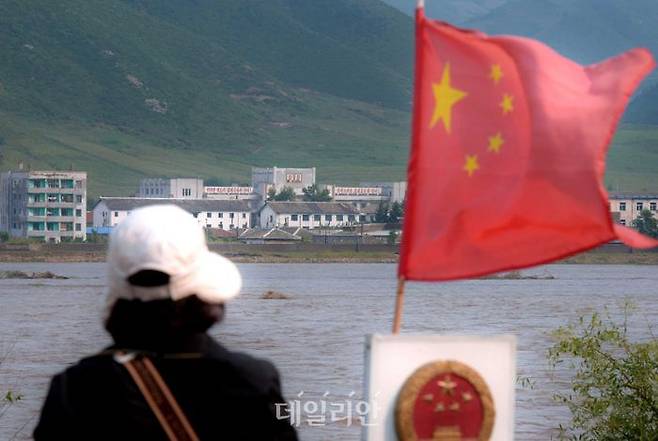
column 614, row 390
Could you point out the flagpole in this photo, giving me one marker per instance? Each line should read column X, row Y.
column 399, row 301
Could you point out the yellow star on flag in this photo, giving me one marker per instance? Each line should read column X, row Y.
column 507, row 104
column 445, row 96
column 471, row 164
column 496, row 73
column 495, row 142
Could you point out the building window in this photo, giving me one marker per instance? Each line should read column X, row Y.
column 622, row 221
column 67, row 197
column 305, row 217
column 78, row 198
column 208, row 226
column 231, row 215
column 244, row 215
column 639, row 206
column 317, row 217
column 187, row 192
column 350, row 218
column 78, row 212
column 327, row 217
column 208, row 214
column 221, row 225
column 362, row 218
column 339, row 217
column 652, row 206
column 116, row 214
column 294, row 217
column 78, row 227
column 220, row 215
column 622, row 206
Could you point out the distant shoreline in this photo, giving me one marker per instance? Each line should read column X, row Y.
column 304, row 253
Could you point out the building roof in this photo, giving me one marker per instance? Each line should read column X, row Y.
column 311, row 208
column 633, row 195
column 189, row 205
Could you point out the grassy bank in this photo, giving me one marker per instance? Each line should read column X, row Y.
column 308, row 253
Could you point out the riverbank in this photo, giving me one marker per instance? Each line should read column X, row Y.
column 296, row 253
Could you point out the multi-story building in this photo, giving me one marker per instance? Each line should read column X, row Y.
column 180, row 188
column 626, row 207
column 262, row 179
column 211, row 213
column 44, row 205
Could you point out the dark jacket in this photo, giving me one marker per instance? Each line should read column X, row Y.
column 225, row 395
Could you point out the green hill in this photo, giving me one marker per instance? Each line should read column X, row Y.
column 131, row 88
column 127, row 88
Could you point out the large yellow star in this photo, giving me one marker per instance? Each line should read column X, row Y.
column 507, row 104
column 496, row 73
column 496, row 142
column 471, row 164
column 445, row 96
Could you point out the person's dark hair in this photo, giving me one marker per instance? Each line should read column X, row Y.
column 156, row 324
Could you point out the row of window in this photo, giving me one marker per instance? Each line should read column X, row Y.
column 53, row 226
column 67, row 198
column 41, row 211
column 639, row 206
column 53, row 183
column 221, row 215
column 327, row 218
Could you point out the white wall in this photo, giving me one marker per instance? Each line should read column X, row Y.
column 269, row 219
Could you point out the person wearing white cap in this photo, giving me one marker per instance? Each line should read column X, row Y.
column 165, row 378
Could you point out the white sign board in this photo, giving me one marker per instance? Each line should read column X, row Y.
column 392, row 359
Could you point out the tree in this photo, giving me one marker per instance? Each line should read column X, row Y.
column 313, row 193
column 381, row 215
column 271, row 194
column 286, row 194
column 395, row 214
column 646, row 224
column 613, row 390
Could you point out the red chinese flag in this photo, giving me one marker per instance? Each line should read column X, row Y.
column 508, row 153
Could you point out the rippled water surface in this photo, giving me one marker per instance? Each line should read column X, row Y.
column 316, row 336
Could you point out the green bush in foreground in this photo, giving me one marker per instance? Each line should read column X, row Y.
column 614, row 391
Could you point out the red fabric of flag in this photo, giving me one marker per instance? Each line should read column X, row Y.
column 508, row 153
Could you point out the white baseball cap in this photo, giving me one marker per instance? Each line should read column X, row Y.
column 168, row 239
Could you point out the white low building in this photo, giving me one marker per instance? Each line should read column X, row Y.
column 211, row 213
column 309, row 214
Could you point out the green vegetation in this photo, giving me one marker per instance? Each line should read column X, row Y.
column 614, row 389
column 313, row 193
column 286, row 194
column 646, row 224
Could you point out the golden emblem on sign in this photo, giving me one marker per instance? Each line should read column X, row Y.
column 445, row 401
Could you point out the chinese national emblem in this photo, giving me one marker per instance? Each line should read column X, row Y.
column 445, row 401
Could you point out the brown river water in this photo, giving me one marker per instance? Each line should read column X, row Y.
column 316, row 336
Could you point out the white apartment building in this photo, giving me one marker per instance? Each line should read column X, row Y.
column 210, row 213
column 309, row 214
column 44, row 205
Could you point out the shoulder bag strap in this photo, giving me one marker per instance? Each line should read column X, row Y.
column 158, row 396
